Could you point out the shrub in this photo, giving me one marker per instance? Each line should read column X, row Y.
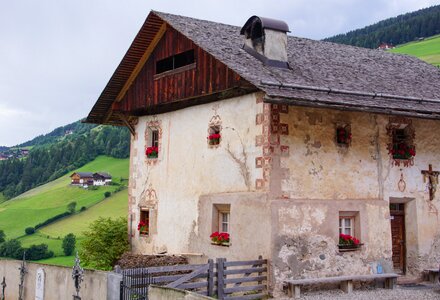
column 29, row 230
column 53, row 219
column 37, row 252
column 11, row 248
column 2, row 236
column 107, row 194
column 69, row 242
column 104, row 242
column 71, row 207
column 83, row 208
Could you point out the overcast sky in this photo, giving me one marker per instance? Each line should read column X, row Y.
column 56, row 56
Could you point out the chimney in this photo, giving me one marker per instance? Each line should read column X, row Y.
column 266, row 39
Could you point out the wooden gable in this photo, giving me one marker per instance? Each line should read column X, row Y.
column 205, row 80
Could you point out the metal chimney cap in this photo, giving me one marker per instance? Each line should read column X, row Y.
column 268, row 23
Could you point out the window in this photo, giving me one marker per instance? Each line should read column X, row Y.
column 343, row 135
column 214, row 136
column 221, row 224
column 223, row 221
column 402, row 148
column 152, row 150
column 155, row 138
column 349, row 223
column 346, row 225
column 175, row 62
column 221, row 218
column 144, row 222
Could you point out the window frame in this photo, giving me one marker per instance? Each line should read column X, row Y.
column 343, row 227
column 221, row 222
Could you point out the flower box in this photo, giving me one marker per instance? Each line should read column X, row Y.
column 348, row 243
column 214, row 139
column 152, row 152
column 349, row 247
column 220, row 239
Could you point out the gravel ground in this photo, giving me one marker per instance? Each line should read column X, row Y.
column 420, row 292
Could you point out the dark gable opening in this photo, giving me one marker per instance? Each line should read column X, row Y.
column 175, row 62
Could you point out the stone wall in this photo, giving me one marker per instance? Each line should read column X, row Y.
column 58, row 283
column 314, row 179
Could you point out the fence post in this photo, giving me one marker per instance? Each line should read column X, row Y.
column 259, row 273
column 220, row 278
column 210, row 277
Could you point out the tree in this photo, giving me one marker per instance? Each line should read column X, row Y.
column 11, row 248
column 69, row 243
column 37, row 252
column 2, row 236
column 29, row 230
column 104, row 242
column 71, row 207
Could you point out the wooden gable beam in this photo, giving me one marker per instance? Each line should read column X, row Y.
column 142, row 62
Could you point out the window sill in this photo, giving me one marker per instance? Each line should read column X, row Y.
column 222, row 245
column 175, row 71
column 350, row 248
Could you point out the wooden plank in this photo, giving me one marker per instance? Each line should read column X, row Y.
column 341, row 278
column 244, row 271
column 142, row 61
column 247, row 297
column 245, row 279
column 187, row 277
column 246, row 263
column 163, row 269
column 194, row 285
column 220, row 277
column 237, row 289
column 210, row 277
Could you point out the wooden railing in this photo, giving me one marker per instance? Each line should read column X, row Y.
column 234, row 280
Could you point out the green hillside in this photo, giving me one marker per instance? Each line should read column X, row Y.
column 46, row 201
column 398, row 30
column 427, row 50
column 52, row 235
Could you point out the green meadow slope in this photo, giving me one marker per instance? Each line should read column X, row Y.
column 427, row 50
column 46, row 201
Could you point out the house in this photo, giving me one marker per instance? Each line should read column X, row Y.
column 82, row 178
column 385, row 46
column 282, row 142
column 89, row 178
column 102, row 178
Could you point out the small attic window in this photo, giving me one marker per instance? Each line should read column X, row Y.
column 175, row 62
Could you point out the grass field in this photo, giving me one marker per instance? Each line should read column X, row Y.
column 43, row 202
column 67, row 261
column 112, row 207
column 427, row 50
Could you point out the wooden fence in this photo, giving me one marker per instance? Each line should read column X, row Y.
column 234, row 280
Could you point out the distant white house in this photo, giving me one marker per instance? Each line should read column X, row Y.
column 102, row 178
column 89, row 178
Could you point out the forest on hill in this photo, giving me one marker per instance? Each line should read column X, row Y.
column 55, row 154
column 401, row 29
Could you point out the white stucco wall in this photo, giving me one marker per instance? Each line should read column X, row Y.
column 188, row 168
